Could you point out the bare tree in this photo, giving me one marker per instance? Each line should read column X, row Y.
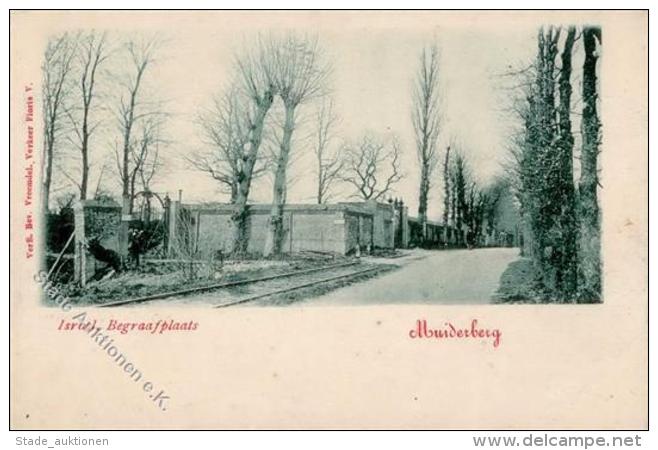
column 131, row 112
column 426, row 120
column 330, row 164
column 254, row 75
column 225, row 126
column 299, row 75
column 366, row 166
column 90, row 56
column 147, row 160
column 145, row 154
column 151, row 163
column 56, row 68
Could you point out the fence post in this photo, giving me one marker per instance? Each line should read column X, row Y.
column 171, row 226
column 165, row 221
column 80, row 255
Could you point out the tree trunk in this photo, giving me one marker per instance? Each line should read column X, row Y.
column 125, row 177
column 446, row 195
column 453, row 212
column 320, row 180
column 234, row 192
column 422, row 199
column 461, row 212
column 48, row 175
column 567, row 254
column 590, row 258
column 126, row 200
column 85, row 177
column 543, row 182
column 240, row 216
column 275, row 236
column 131, row 196
column 84, row 150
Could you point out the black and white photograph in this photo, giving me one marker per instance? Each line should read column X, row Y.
column 290, row 167
column 329, row 220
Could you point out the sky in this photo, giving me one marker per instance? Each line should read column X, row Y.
column 374, row 58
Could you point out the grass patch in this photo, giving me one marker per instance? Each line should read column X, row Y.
column 517, row 284
column 153, row 279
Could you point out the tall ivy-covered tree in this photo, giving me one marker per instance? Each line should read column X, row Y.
column 540, row 171
column 547, row 191
column 567, row 251
column 590, row 258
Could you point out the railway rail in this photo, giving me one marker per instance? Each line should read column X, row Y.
column 299, row 287
column 266, row 286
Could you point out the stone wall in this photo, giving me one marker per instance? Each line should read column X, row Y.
column 337, row 228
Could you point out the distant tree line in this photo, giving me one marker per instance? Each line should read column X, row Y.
column 469, row 210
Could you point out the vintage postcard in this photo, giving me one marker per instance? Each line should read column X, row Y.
column 329, row 219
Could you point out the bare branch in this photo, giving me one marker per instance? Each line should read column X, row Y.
column 366, row 166
column 330, row 164
column 226, row 131
column 56, row 89
column 141, row 55
column 90, row 56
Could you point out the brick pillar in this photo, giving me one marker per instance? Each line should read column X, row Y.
column 93, row 219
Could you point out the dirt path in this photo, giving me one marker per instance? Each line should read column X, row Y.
column 443, row 277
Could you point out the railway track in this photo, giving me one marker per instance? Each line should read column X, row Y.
column 242, row 291
column 301, row 286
